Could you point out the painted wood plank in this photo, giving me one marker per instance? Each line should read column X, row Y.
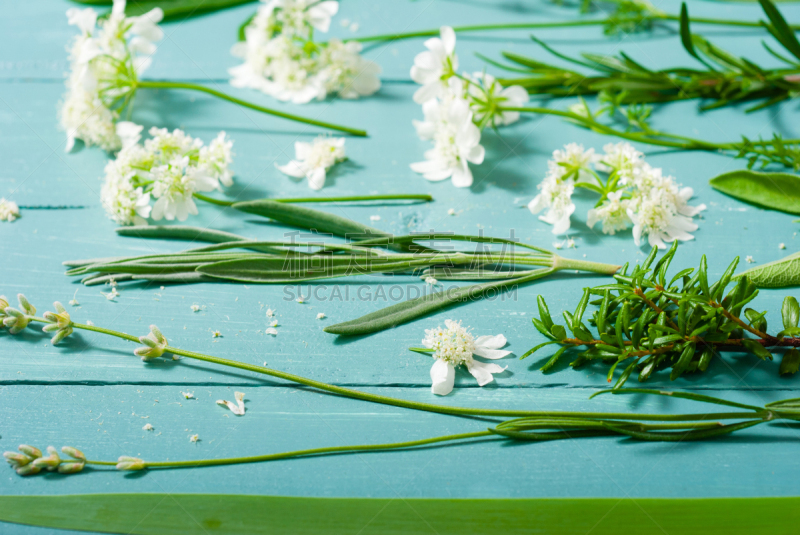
column 105, row 422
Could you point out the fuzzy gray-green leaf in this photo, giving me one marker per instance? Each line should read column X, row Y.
column 776, row 191
column 778, row 274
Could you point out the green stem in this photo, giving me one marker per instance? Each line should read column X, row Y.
column 560, row 262
column 318, row 451
column 352, row 198
column 546, row 25
column 428, row 407
column 163, row 84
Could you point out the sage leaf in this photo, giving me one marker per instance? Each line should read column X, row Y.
column 776, row 191
column 778, row 274
column 790, row 362
column 406, row 311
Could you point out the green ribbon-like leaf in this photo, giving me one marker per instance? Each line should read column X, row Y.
column 776, row 191
column 173, row 9
column 217, row 514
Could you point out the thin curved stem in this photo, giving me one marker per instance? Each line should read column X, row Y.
column 395, row 402
column 547, row 25
column 351, row 198
column 318, row 451
column 164, row 84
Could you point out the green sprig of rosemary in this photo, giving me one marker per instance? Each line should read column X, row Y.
column 647, row 322
column 726, row 79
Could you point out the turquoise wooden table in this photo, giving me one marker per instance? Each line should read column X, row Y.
column 94, row 394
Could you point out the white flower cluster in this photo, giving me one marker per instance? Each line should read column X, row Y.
column 9, row 211
column 281, row 58
column 313, row 160
column 170, row 167
column 634, row 193
column 105, row 62
column 454, row 346
column 456, row 107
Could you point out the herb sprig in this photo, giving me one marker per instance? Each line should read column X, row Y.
column 726, row 79
column 648, row 322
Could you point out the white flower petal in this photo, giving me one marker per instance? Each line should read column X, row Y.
column 482, row 371
column 443, row 376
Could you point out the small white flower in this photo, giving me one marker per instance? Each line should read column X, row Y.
column 300, row 300
column 433, row 68
column 113, row 294
column 345, row 72
column 193, row 438
column 270, row 312
column 173, row 186
column 572, row 162
column 781, row 246
column 236, row 408
column 612, row 213
column 195, row 308
column 622, row 158
column 9, row 211
column 749, row 259
column 454, row 346
column 273, row 323
column 321, row 316
column 432, row 281
column 271, row 330
column 187, row 395
column 555, row 196
column 456, row 143
column 487, row 95
column 374, row 218
column 216, row 159
column 313, row 160
column 148, row 427
column 216, row 334
column 451, row 211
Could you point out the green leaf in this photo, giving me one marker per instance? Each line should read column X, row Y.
column 756, row 319
column 218, row 514
column 790, row 362
column 536, row 348
column 542, row 328
column 559, row 332
column 307, row 218
column 778, row 274
column 173, row 9
column 241, row 33
column 544, row 312
column 552, row 362
column 777, row 191
column 757, row 349
column 790, row 312
column 179, row 232
column 780, row 29
column 394, row 315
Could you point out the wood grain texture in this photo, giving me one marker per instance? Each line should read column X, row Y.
column 47, row 393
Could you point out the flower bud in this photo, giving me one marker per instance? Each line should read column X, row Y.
column 74, row 453
column 15, row 320
column 62, row 324
column 70, row 467
column 50, row 462
column 16, row 459
column 3, row 305
column 130, row 463
column 30, row 451
column 154, row 343
column 28, row 470
column 26, row 307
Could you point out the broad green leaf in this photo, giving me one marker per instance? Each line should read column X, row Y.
column 173, row 9
column 756, row 319
column 790, row 362
column 778, row 274
column 777, row 191
column 790, row 311
column 218, row 514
